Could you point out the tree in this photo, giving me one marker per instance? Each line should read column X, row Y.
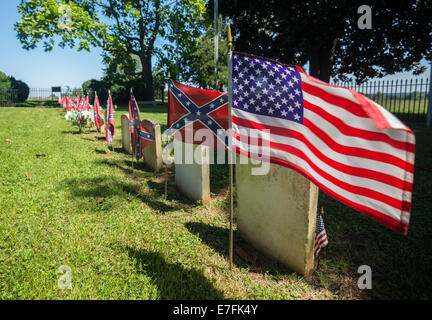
column 5, row 83
column 100, row 86
column 326, row 34
column 22, row 89
column 120, row 27
column 201, row 62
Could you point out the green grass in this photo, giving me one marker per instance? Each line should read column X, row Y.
column 136, row 245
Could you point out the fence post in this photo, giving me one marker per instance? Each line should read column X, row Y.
column 429, row 109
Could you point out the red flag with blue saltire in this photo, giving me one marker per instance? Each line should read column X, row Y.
column 140, row 137
column 76, row 102
column 97, row 113
column 204, row 110
column 67, row 104
column 87, row 104
column 109, row 123
column 81, row 105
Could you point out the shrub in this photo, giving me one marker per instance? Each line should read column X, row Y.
column 22, row 89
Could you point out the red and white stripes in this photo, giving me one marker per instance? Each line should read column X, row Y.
column 352, row 148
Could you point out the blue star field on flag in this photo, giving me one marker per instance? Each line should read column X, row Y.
column 266, row 88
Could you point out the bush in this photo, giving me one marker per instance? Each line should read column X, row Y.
column 100, row 86
column 22, row 89
column 119, row 86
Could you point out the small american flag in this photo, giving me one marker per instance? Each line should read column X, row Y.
column 320, row 235
column 349, row 146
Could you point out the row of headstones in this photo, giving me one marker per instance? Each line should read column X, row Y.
column 276, row 212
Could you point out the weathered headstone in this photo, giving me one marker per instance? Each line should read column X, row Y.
column 152, row 153
column 126, row 136
column 192, row 171
column 276, row 213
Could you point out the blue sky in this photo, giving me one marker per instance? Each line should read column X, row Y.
column 61, row 67
column 40, row 69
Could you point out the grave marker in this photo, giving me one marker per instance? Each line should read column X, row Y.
column 152, row 153
column 276, row 213
column 126, row 136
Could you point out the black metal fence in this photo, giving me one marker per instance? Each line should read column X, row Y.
column 8, row 97
column 406, row 99
column 46, row 93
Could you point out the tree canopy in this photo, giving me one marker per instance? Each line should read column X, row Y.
column 120, row 27
column 200, row 62
column 326, row 34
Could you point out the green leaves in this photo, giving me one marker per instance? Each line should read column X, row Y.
column 120, row 28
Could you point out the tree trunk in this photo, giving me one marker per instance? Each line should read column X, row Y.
column 147, row 78
column 321, row 60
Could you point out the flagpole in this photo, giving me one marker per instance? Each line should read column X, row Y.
column 98, row 129
column 108, row 111
column 133, row 151
column 166, row 158
column 229, row 44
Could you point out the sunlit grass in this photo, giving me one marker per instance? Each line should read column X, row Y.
column 83, row 206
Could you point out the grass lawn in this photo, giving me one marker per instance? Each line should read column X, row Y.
column 66, row 199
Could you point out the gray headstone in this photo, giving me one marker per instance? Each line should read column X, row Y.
column 192, row 171
column 126, row 136
column 276, row 213
column 152, row 153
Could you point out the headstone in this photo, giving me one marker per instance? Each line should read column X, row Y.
column 192, row 171
column 152, row 153
column 276, row 213
column 126, row 136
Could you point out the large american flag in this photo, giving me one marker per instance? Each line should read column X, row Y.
column 351, row 147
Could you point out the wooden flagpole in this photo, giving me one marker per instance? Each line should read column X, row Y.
column 133, row 151
column 318, row 257
column 166, row 157
column 229, row 44
column 98, row 129
column 108, row 111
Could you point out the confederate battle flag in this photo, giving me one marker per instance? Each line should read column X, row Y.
column 140, row 137
column 191, row 109
column 97, row 113
column 109, row 124
column 81, row 105
column 76, row 102
column 67, row 104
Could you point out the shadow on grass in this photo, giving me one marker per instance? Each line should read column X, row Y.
column 173, row 194
column 139, row 170
column 156, row 188
column 172, row 279
column 108, row 186
column 218, row 239
column 71, row 132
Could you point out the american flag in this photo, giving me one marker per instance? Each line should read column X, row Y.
column 349, row 146
column 320, row 235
